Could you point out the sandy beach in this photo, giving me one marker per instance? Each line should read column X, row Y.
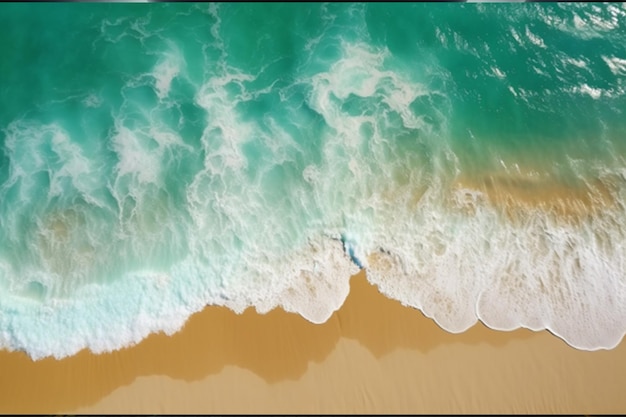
column 372, row 356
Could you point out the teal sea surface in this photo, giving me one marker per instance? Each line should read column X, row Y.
column 158, row 158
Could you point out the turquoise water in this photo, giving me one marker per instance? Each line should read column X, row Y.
column 156, row 158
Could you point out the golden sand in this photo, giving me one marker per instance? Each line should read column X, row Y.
column 373, row 355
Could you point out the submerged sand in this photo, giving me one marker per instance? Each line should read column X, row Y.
column 372, row 356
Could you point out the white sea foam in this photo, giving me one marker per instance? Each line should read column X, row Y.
column 517, row 37
column 75, row 166
column 576, row 26
column 135, row 155
column 578, row 22
column 143, row 302
column 576, row 62
column 224, row 127
column 616, row 65
column 34, row 148
column 590, row 24
column 491, row 268
column 163, row 74
column 24, row 145
column 594, row 93
column 169, row 67
column 498, row 72
column 535, row 39
column 92, row 100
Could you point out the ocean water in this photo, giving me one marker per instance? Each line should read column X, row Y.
column 158, row 158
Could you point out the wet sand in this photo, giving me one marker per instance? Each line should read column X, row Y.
column 372, row 356
column 518, row 194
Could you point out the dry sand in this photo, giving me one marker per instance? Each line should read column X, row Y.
column 372, row 356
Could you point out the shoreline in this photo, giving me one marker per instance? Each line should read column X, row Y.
column 372, row 355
